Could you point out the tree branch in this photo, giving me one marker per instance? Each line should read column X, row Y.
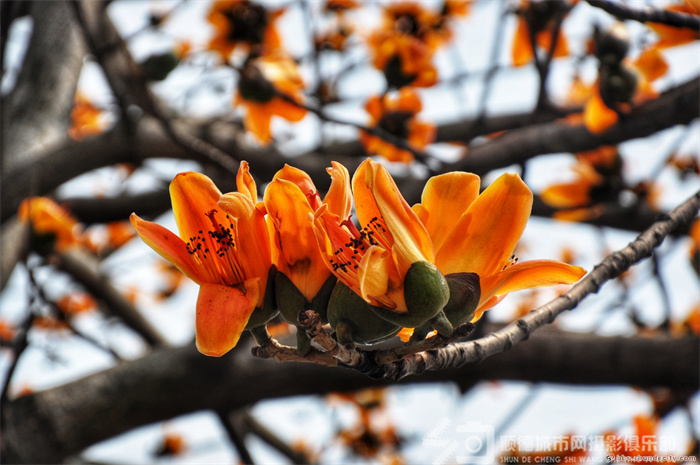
column 647, row 14
column 37, row 428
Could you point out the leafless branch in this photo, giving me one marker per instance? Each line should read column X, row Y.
column 647, row 14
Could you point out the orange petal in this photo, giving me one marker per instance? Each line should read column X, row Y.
column 408, row 101
column 168, row 246
column 193, row 196
column 303, row 182
column 597, row 116
column 339, row 196
column 222, row 313
column 420, row 134
column 298, row 255
column 522, row 48
column 445, row 198
column 651, row 64
column 245, row 182
column 257, row 121
column 380, row 282
column 288, row 110
column 567, row 195
column 527, row 275
column 252, row 249
column 376, row 196
column 487, row 233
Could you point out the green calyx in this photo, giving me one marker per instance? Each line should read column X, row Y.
column 268, row 310
column 465, row 292
column 290, row 302
column 426, row 293
column 354, row 320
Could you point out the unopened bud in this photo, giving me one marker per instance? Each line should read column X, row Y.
column 354, row 319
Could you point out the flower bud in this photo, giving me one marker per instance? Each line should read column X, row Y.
column 426, row 293
column 353, row 318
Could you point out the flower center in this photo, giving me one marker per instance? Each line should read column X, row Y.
column 216, row 252
column 354, row 244
column 396, row 123
column 247, row 23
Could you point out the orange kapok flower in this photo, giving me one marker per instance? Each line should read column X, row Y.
column 77, row 302
column 86, row 119
column 223, row 247
column 340, row 6
column 475, row 233
column 240, row 22
column 404, row 59
column 541, row 16
column 49, row 218
column 375, row 261
column 397, row 116
column 289, row 200
column 261, row 82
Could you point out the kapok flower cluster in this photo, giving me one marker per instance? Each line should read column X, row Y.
column 436, row 265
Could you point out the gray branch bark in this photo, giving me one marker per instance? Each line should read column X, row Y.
column 37, row 111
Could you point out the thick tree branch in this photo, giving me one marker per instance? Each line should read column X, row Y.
column 37, row 111
column 66, row 161
column 679, row 105
column 51, row 425
column 84, row 268
column 647, row 14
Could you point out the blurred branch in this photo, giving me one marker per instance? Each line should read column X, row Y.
column 679, row 105
column 84, row 268
column 37, row 110
column 235, row 434
column 647, row 14
column 130, row 86
column 174, row 381
column 271, row 439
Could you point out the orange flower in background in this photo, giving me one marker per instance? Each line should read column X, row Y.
column 374, row 261
column 7, row 331
column 474, row 233
column 242, row 23
column 670, row 36
column 397, row 116
column 404, row 59
column 49, row 218
column 541, row 17
column 651, row 64
column 289, row 200
column 223, row 247
column 340, row 6
column 86, row 119
column 260, row 84
column 644, row 442
column 600, row 113
column 576, row 193
column 76, row 302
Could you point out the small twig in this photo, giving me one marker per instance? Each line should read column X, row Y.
column 399, row 142
column 383, row 357
column 647, row 14
column 270, row 438
column 236, row 437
